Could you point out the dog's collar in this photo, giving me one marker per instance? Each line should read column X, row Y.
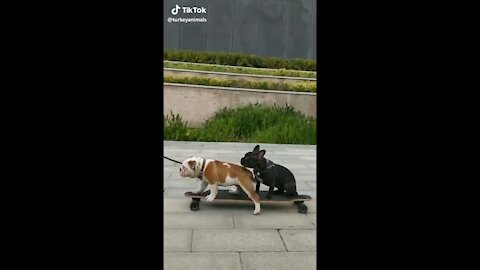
column 270, row 165
column 200, row 174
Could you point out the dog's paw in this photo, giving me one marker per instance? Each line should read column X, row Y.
column 210, row 198
column 256, row 212
column 233, row 190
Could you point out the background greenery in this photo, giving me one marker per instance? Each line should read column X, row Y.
column 252, row 123
column 237, row 59
column 241, row 83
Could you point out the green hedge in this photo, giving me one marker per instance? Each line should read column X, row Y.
column 252, row 123
column 241, row 70
column 237, row 59
column 265, row 85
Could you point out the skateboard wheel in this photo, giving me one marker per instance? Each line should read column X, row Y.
column 302, row 208
column 194, row 206
column 196, row 199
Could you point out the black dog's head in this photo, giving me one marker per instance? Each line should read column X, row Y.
column 254, row 159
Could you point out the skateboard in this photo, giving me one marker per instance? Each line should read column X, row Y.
column 225, row 195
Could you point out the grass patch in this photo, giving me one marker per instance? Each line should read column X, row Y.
column 238, row 59
column 252, row 123
column 241, row 83
column 241, row 70
column 174, row 128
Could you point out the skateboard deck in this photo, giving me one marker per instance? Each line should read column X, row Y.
column 225, row 195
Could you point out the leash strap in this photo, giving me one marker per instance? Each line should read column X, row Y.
column 172, row 160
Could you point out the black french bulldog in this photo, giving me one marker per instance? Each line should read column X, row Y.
column 269, row 173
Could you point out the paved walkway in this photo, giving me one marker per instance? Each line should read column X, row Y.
column 228, row 236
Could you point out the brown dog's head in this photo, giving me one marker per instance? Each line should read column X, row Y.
column 191, row 167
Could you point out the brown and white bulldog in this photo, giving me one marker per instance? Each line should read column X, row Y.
column 221, row 173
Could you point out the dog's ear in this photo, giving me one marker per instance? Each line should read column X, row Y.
column 256, row 149
column 261, row 154
column 192, row 164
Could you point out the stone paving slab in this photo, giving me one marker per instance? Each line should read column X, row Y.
column 226, row 235
column 237, row 240
column 273, row 220
column 300, row 186
column 171, row 174
column 313, row 218
column 186, row 184
column 312, row 157
column 175, row 193
column 177, row 188
column 312, row 185
column 304, row 176
column 201, row 261
column 189, row 185
column 198, row 220
column 278, row 260
column 176, row 206
column 290, row 152
column 222, row 147
column 300, row 240
column 286, row 161
column 177, row 240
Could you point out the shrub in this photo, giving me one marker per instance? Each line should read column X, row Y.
column 241, row 83
column 174, row 127
column 252, row 123
column 237, row 59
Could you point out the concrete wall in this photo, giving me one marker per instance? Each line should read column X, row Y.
column 280, row 28
column 196, row 104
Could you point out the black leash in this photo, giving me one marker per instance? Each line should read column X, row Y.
column 172, row 160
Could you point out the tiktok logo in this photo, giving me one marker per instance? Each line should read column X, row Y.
column 175, row 10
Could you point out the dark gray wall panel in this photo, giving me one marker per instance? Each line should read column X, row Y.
column 297, row 28
column 282, row 28
column 245, row 32
column 313, row 33
column 170, row 30
column 193, row 36
column 220, row 25
column 272, row 28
